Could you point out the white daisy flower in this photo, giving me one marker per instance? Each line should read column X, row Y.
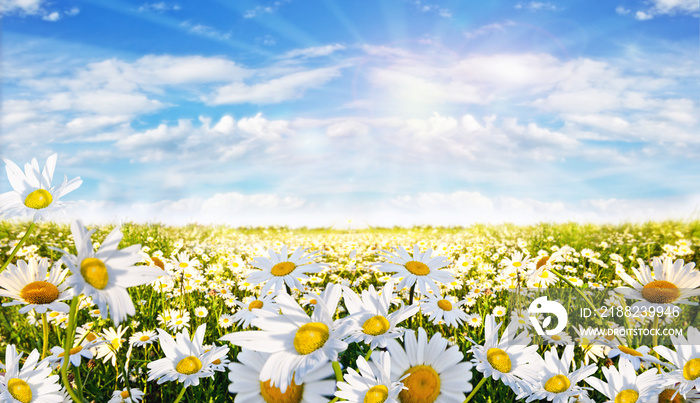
column 105, row 275
column 122, row 396
column 625, row 385
column 370, row 321
column 298, row 343
column 185, row 360
column 672, row 283
column 421, row 269
column 113, row 342
column 32, row 192
column 183, row 263
column 143, row 339
column 372, row 384
column 592, row 347
column 219, row 364
column 226, row 321
column 281, row 268
column 246, row 384
column 517, row 265
column 686, row 359
column 559, row 339
column 32, row 383
column 474, row 320
column 201, row 312
column 27, row 283
column 445, row 309
column 179, row 322
column 633, row 355
column 556, row 382
column 244, row 316
column 76, row 354
column 433, row 371
column 510, row 360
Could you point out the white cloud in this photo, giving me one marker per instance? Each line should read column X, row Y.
column 537, row 6
column 316, row 51
column 642, row 16
column 488, row 29
column 22, row 7
column 427, row 208
column 290, row 86
column 158, row 7
column 205, row 30
column 347, row 128
column 665, row 7
column 54, row 16
column 25, row 8
column 260, row 10
column 622, row 10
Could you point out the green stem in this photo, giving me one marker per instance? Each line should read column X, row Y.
column 79, row 383
column 66, row 350
column 369, row 354
column 476, row 389
column 45, row 323
column 655, row 339
column 19, row 245
column 338, row 371
column 126, row 378
column 182, row 393
column 410, row 302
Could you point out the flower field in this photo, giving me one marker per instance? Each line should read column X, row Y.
column 215, row 314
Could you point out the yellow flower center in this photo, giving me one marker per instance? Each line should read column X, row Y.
column 660, row 292
column 313, row 301
column 38, row 199
column 189, row 365
column 557, row 384
column 376, row 394
column 257, row 304
column 498, row 359
column 667, row 394
column 39, row 293
column 183, row 264
column 144, row 338
column 94, row 272
column 74, row 350
column 20, row 390
column 158, row 262
column 376, row 325
column 91, row 336
column 216, row 361
column 116, row 343
column 124, row 394
column 517, row 264
column 417, row 268
column 545, row 274
column 629, row 351
column 310, row 337
column 423, row 385
column 556, row 337
column 282, row 269
column 627, row 396
column 445, row 305
column 691, row 369
column 272, row 394
column 543, row 261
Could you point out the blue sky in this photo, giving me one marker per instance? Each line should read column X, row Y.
column 403, row 112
